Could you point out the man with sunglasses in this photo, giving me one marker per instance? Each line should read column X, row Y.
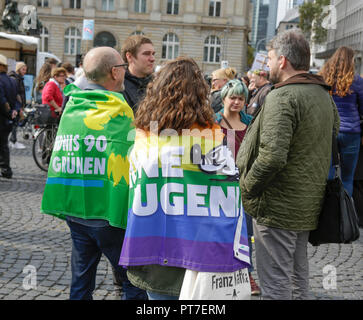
column 138, row 51
column 97, row 232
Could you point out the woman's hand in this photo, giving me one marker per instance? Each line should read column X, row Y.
column 57, row 108
column 14, row 114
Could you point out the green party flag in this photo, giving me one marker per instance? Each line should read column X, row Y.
column 88, row 175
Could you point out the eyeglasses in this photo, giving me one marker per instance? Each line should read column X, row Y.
column 124, row 65
column 260, row 73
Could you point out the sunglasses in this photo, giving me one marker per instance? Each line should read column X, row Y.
column 124, row 65
column 260, row 73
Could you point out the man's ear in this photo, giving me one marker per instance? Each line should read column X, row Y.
column 283, row 62
column 129, row 57
column 113, row 73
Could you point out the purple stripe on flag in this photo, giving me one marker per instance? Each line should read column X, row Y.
column 198, row 256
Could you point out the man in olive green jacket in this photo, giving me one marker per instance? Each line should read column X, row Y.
column 284, row 162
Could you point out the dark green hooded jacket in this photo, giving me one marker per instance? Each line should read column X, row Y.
column 285, row 156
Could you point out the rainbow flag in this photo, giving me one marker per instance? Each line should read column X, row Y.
column 88, row 175
column 185, row 206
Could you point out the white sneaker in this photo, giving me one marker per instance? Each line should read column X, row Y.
column 11, row 145
column 18, row 145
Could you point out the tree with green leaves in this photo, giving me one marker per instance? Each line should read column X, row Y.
column 250, row 56
column 311, row 17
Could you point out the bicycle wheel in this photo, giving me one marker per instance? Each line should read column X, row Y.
column 43, row 147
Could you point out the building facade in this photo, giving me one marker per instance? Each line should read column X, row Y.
column 290, row 21
column 263, row 24
column 208, row 31
column 347, row 31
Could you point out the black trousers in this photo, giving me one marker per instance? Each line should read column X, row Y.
column 4, row 151
column 13, row 131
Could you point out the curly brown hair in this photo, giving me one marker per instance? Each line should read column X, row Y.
column 339, row 71
column 177, row 98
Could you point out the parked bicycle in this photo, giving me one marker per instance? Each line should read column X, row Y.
column 43, row 145
column 44, row 135
column 26, row 127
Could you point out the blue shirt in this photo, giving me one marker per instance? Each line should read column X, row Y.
column 350, row 107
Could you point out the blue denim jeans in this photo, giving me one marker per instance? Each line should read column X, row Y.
column 88, row 244
column 249, row 235
column 349, row 145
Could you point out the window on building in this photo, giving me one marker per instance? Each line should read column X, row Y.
column 44, row 36
column 172, row 7
column 212, row 49
column 104, row 39
column 214, row 8
column 170, row 46
column 72, row 41
column 140, row 6
column 43, row 3
column 137, row 32
column 75, row 4
column 108, row 5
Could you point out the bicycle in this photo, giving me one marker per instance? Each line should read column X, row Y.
column 26, row 126
column 45, row 135
column 43, row 145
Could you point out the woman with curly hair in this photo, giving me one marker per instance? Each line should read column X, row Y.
column 178, row 101
column 347, row 92
column 178, row 165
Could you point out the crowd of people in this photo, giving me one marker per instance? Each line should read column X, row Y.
column 47, row 89
column 277, row 125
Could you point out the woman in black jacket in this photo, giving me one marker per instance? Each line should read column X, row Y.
column 18, row 75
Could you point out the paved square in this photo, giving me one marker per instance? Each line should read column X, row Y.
column 31, row 241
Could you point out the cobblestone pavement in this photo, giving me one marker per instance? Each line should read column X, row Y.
column 29, row 238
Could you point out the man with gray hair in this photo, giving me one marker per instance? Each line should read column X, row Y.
column 284, row 163
column 104, row 68
column 95, row 231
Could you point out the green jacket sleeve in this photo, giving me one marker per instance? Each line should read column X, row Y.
column 276, row 132
column 336, row 117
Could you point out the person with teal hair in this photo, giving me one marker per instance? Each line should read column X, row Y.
column 234, row 87
column 234, row 122
column 234, row 96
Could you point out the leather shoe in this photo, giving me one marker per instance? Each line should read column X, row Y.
column 8, row 174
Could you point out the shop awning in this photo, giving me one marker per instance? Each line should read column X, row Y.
column 27, row 40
